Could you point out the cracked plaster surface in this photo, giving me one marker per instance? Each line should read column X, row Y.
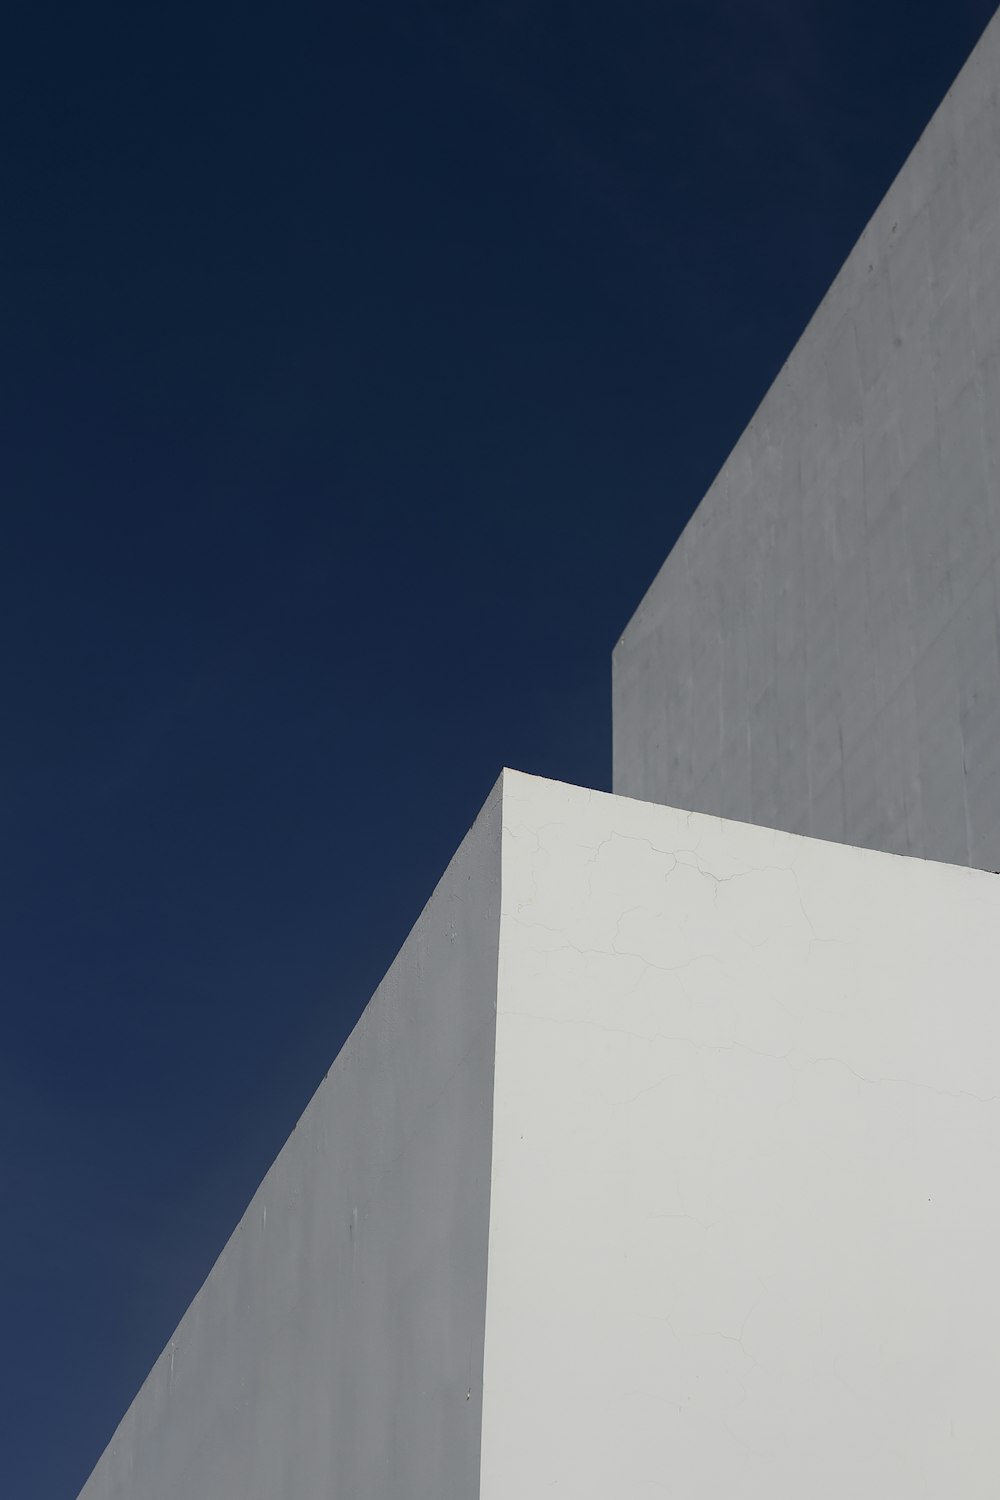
column 746, row 1120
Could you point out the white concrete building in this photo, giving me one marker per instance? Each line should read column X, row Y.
column 663, row 1159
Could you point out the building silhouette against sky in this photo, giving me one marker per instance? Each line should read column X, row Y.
column 663, row 1156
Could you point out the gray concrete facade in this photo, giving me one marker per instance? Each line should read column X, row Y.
column 821, row 650
column 336, row 1348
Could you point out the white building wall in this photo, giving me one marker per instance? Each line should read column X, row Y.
column 744, row 1228
column 662, row 1162
column 821, row 650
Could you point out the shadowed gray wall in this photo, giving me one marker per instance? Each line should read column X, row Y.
column 820, row 650
column 336, row 1348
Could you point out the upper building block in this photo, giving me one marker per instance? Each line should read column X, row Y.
column 820, row 650
column 661, row 1162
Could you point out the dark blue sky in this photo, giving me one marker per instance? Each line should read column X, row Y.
column 360, row 364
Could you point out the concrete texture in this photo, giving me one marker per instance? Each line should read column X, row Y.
column 820, row 651
column 336, row 1348
column 743, row 1235
column 662, row 1162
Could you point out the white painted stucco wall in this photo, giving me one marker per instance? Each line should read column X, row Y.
column 744, row 1231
